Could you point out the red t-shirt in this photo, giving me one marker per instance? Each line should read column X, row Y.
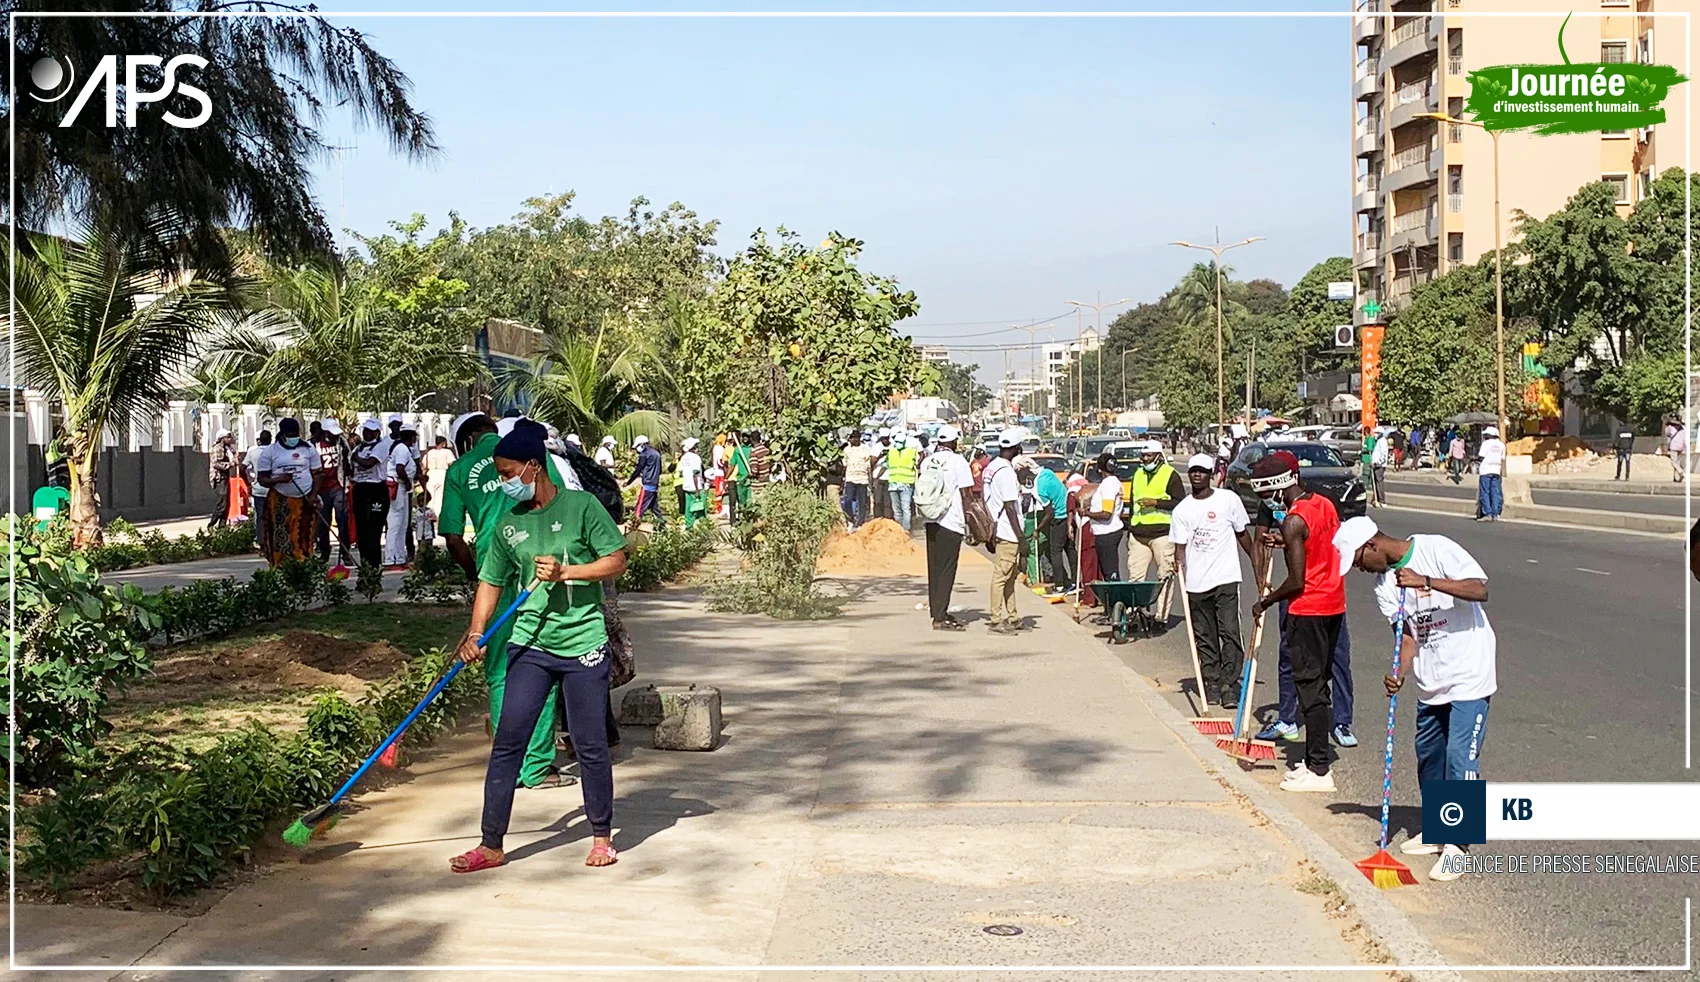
column 1325, row 588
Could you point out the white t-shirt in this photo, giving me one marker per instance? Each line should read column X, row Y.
column 605, row 457
column 374, row 474
column 564, row 472
column 1382, row 452
column 690, row 472
column 1493, row 456
column 293, row 465
column 402, row 457
column 1455, row 642
column 1109, row 492
column 1207, row 526
column 956, row 477
column 251, row 470
column 1000, row 486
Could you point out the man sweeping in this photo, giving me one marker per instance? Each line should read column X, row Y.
column 1315, row 592
column 472, row 494
column 1448, row 646
column 1203, row 529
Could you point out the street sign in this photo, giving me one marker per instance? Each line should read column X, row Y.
column 1340, row 290
column 1344, row 336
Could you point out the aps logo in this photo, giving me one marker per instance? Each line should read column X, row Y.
column 57, row 80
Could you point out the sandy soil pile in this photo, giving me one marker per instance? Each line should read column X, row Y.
column 879, row 548
column 1546, row 449
column 297, row 660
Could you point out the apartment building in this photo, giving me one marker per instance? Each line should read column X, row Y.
column 933, row 353
column 1423, row 190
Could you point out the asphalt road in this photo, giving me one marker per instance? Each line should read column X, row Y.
column 1591, row 675
column 1648, row 504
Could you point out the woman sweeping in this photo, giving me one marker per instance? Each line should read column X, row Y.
column 565, row 541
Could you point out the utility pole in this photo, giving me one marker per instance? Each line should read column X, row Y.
column 1216, row 250
column 1032, row 353
column 1098, row 308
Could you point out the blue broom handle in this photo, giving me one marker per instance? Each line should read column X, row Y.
column 1392, row 710
column 436, row 690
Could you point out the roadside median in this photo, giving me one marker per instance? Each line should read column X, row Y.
column 1591, row 518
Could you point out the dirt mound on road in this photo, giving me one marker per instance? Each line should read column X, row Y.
column 1546, row 449
column 879, row 548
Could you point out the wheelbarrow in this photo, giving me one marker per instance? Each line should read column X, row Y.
column 1130, row 606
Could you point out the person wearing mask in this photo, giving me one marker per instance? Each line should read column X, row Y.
column 1105, row 512
column 472, row 496
column 1379, row 457
column 403, row 475
column 1204, row 529
column 331, row 485
column 879, row 497
column 1052, row 526
column 1434, row 592
column 605, row 453
column 368, row 461
column 220, row 465
column 1315, row 593
column 565, row 542
column 1002, row 496
column 437, row 462
column 257, row 492
column 1625, row 447
column 692, row 482
column 1157, row 489
column 288, row 470
column 858, row 462
column 646, row 474
column 941, row 495
column 902, row 463
column 1490, row 489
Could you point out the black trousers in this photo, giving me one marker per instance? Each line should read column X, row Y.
column 944, row 549
column 1216, row 628
column 371, row 514
column 1109, row 547
column 1061, row 550
column 1623, row 461
column 1310, row 647
column 221, row 504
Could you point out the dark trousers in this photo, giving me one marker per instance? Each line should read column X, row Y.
column 1310, row 641
column 1061, row 551
column 257, row 508
column 1216, row 630
column 1109, row 547
column 333, row 504
column 1341, row 694
column 1623, row 460
column 584, row 694
column 854, row 501
column 371, row 514
column 879, row 499
column 221, row 505
column 649, row 503
column 944, row 548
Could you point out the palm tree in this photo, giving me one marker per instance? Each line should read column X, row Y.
column 102, row 332
column 581, row 386
column 1194, row 299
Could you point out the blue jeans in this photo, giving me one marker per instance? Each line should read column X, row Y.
column 854, row 500
column 903, row 504
column 1342, row 679
column 1449, row 741
column 1490, row 495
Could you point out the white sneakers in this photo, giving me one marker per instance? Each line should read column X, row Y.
column 1302, row 778
column 1449, row 866
column 1415, row 846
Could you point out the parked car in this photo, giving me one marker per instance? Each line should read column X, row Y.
column 1321, row 468
column 1056, row 462
column 1348, row 441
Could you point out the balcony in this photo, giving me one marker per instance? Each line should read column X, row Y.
column 1366, row 137
column 1368, row 193
column 1412, row 100
column 1414, row 229
column 1365, row 26
column 1415, row 37
column 1411, row 167
column 1366, row 249
column 1367, row 81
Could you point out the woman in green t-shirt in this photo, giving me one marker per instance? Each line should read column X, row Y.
column 565, row 541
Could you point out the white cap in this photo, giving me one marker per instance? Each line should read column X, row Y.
column 689, row 444
column 459, row 421
column 608, row 441
column 1152, row 446
column 1201, row 461
column 641, row 441
column 325, row 424
column 948, row 433
column 371, row 424
column 332, row 427
column 221, row 434
column 1350, row 537
column 1010, row 438
column 394, row 418
column 505, row 425
column 1023, row 462
column 900, row 438
column 1490, row 431
column 573, row 439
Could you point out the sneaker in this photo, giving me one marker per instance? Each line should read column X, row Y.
column 1343, row 736
column 947, row 625
column 1304, row 779
column 1415, row 846
column 1449, row 866
column 1000, row 628
column 1278, row 729
column 1228, row 699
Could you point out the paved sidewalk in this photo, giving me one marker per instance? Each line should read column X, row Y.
column 883, row 794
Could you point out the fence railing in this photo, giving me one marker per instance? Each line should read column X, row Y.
column 1408, row 157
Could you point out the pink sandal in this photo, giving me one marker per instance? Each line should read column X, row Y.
column 602, row 849
column 474, row 860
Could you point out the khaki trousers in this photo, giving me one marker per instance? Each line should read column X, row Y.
column 1005, row 566
column 1141, row 553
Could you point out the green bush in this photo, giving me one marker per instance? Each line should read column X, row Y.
column 667, row 554
column 369, row 581
column 781, row 534
column 435, row 576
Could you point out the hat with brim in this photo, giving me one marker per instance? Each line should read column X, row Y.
column 1201, row 462
column 1350, row 537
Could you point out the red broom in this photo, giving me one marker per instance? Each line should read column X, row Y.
column 1382, row 869
column 1240, row 745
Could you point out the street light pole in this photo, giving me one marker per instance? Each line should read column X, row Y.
column 1032, row 347
column 1498, row 267
column 1098, row 308
column 1216, row 249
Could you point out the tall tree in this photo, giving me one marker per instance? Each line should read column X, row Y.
column 307, row 346
column 586, row 386
column 1438, row 355
column 1315, row 317
column 100, row 331
column 269, row 81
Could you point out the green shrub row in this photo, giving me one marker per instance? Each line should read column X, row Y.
column 127, row 547
column 667, row 554
column 214, row 608
column 435, row 577
column 177, row 820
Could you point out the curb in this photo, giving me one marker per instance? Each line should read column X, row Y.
column 1556, row 515
column 1386, row 923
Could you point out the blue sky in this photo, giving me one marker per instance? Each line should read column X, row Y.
column 998, row 167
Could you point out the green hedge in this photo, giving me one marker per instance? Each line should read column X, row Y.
column 667, row 554
column 127, row 547
column 214, row 608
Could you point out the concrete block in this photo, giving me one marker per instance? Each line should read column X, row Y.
column 1519, row 464
column 685, row 717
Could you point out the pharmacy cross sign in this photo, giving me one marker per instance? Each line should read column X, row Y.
column 1371, row 308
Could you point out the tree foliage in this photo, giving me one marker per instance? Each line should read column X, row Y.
column 585, row 386
column 798, row 343
column 1438, row 354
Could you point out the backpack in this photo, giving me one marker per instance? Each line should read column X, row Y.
column 596, row 479
column 932, row 498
